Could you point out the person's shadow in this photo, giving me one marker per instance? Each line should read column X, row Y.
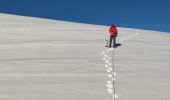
column 117, row 45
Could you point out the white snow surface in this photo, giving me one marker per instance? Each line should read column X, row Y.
column 43, row 59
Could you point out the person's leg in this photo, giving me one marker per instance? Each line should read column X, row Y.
column 110, row 41
column 114, row 41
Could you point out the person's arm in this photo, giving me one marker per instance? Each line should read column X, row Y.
column 110, row 30
column 116, row 30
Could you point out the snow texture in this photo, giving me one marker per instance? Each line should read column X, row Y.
column 43, row 59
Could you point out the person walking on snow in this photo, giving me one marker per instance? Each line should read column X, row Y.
column 113, row 34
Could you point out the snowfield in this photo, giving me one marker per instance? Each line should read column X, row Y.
column 42, row 59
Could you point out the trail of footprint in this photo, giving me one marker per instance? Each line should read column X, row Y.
column 109, row 65
column 111, row 75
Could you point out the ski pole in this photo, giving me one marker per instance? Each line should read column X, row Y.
column 106, row 43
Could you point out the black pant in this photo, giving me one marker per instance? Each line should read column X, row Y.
column 114, row 41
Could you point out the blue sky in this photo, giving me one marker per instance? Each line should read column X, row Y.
column 142, row 14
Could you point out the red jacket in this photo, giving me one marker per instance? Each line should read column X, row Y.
column 113, row 31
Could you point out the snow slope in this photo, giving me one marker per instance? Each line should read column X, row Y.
column 42, row 59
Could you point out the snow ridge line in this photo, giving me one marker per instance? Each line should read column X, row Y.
column 110, row 66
